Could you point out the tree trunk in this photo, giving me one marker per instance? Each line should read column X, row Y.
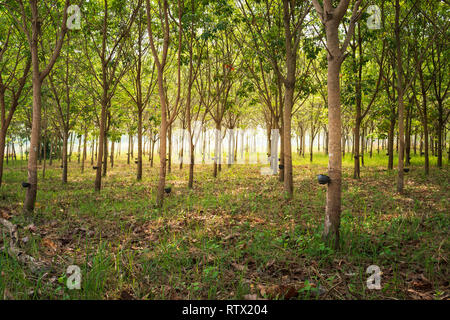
column 162, row 141
column 191, row 163
column 169, row 160
column 344, row 142
column 50, row 162
column 391, row 142
column 2, row 152
column 153, row 153
column 64, row 156
column 72, row 137
column 415, row 143
column 111, row 157
column 356, row 168
column 84, row 149
column 45, row 158
column 182, row 149
column 363, row 146
column 440, row 128
column 287, row 161
column 92, row 151
column 30, row 198
column 217, row 150
column 281, row 172
column 401, row 107
column 79, row 149
column 101, row 143
column 408, row 136
column 139, row 161
column 105, row 156
column 424, row 123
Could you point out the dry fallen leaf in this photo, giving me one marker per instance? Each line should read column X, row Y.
column 278, row 291
column 31, row 227
column 237, row 266
column 419, row 295
column 49, row 244
column 5, row 215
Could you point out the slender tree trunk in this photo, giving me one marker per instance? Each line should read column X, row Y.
column 13, row 151
column 281, row 171
column 92, row 151
column 153, row 153
column 132, row 146
column 332, row 19
column 129, row 149
column 162, row 142
column 440, row 129
column 356, row 168
column 401, row 107
column 424, row 123
column 40, row 153
column 363, row 146
column 333, row 207
column 30, row 198
column 45, row 159
column 111, row 158
column 101, row 143
column 50, row 162
column 71, row 138
column 408, row 136
column 105, row 156
column 181, row 150
column 415, row 143
column 318, row 141
column 79, row 149
column 344, row 141
column 191, row 163
column 287, row 161
column 139, row 161
column 2, row 152
column 204, row 145
column 84, row 149
column 64, row 155
column 169, row 164
column 217, row 150
column 391, row 142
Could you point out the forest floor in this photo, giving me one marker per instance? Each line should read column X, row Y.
column 234, row 237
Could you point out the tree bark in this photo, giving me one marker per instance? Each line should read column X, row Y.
column 64, row 156
column 401, row 107
column 84, row 149
column 139, row 161
column 2, row 152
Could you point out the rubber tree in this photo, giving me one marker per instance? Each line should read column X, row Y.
column 34, row 32
column 105, row 37
column 195, row 49
column 161, row 13
column 358, row 62
column 134, row 82
column 294, row 14
column 67, row 112
column 331, row 17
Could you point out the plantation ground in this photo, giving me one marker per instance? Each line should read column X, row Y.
column 233, row 237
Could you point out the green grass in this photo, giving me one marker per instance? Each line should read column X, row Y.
column 230, row 236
